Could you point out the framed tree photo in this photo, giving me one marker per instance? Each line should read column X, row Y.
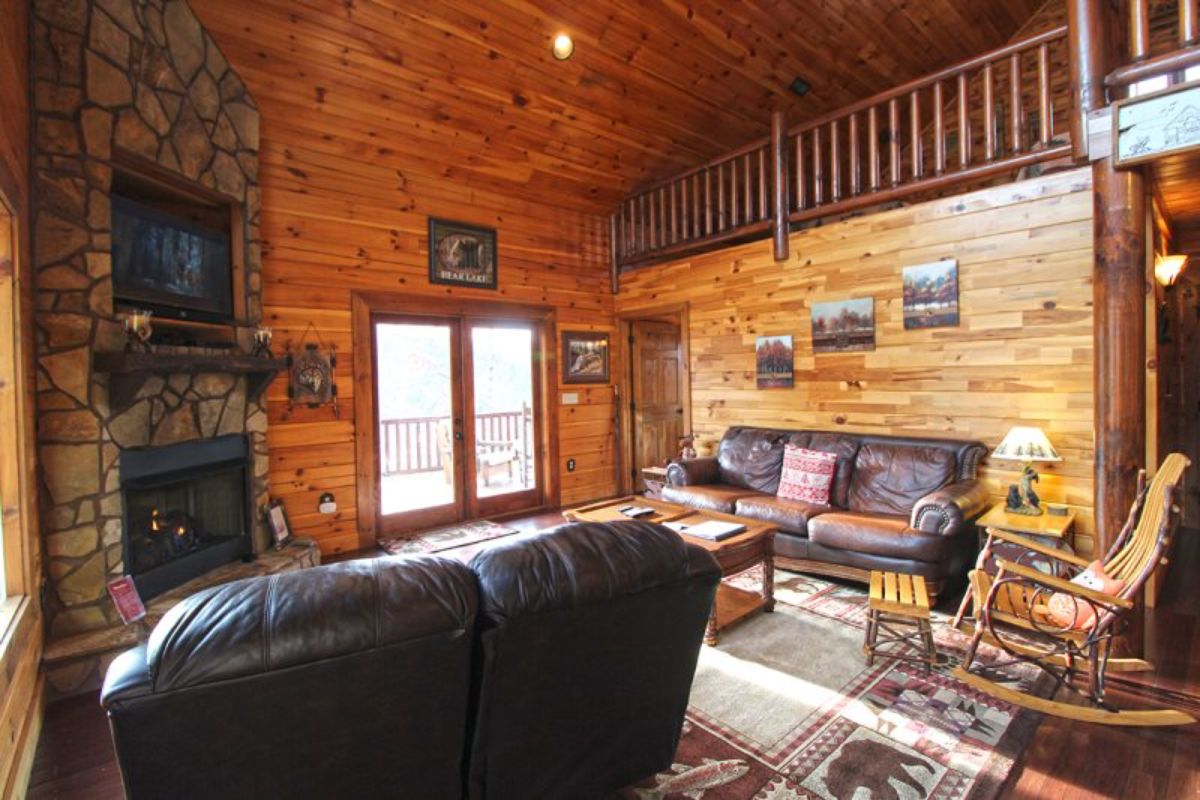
column 462, row 254
column 585, row 357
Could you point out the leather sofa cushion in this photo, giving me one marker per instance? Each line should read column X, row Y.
column 875, row 534
column 789, row 515
column 751, row 458
column 259, row 625
column 846, row 449
column 708, row 497
column 582, row 564
column 891, row 478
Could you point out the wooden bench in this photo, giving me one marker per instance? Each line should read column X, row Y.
column 899, row 602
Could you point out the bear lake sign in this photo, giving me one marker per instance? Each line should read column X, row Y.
column 1154, row 125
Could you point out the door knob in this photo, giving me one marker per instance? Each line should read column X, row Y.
column 458, row 436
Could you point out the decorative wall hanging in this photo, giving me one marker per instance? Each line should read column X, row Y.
column 462, row 254
column 277, row 521
column 773, row 362
column 311, row 373
column 931, row 295
column 585, row 357
column 844, row 325
column 1150, row 126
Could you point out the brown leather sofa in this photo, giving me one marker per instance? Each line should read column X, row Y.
column 556, row 666
column 898, row 504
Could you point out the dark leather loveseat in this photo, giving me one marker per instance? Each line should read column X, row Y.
column 898, row 504
column 555, row 666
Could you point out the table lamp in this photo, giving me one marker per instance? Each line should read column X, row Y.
column 1026, row 444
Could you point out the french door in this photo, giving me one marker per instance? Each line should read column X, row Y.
column 457, row 414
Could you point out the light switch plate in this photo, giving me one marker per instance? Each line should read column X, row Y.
column 570, row 398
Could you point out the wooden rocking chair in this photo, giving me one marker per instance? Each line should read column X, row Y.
column 1015, row 601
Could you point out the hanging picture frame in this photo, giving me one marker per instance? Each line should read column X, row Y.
column 462, row 254
column 585, row 357
column 312, row 379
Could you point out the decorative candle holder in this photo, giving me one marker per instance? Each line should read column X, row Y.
column 138, row 329
column 262, row 341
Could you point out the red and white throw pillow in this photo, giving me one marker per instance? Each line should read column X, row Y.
column 807, row 475
column 1071, row 612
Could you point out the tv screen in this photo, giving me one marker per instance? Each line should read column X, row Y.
column 170, row 264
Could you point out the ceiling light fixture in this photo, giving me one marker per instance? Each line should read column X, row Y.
column 799, row 86
column 563, row 47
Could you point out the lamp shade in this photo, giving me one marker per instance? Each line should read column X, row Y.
column 1168, row 268
column 1026, row 444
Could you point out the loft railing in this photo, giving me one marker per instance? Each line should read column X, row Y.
column 1143, row 65
column 992, row 114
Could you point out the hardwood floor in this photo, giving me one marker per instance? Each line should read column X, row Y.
column 1065, row 760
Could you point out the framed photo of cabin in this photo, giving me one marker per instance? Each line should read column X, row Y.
column 1157, row 124
column 585, row 357
column 277, row 521
column 462, row 254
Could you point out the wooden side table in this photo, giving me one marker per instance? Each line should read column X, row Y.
column 899, row 602
column 1050, row 530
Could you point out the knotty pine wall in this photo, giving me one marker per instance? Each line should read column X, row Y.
column 345, row 207
column 1022, row 353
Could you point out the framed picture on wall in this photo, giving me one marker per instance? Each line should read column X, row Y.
column 773, row 362
column 931, row 295
column 462, row 254
column 585, row 357
column 844, row 326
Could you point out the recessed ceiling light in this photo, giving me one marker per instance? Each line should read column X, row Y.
column 563, row 48
column 799, row 86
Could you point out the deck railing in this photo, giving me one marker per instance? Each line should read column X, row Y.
column 992, row 114
column 416, row 444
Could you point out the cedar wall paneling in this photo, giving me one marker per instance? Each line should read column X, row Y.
column 346, row 193
column 1022, row 353
column 21, row 685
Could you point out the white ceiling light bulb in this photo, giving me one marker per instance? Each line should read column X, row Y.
column 563, row 48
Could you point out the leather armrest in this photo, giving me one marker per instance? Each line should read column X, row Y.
column 949, row 509
column 128, row 677
column 694, row 472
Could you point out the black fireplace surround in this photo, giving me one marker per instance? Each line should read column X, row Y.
column 186, row 510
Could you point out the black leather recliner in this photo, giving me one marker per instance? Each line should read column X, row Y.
column 348, row 680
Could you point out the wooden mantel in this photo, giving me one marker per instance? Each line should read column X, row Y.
column 128, row 371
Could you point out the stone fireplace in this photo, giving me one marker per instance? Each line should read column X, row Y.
column 124, row 90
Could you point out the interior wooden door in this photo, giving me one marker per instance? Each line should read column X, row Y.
column 657, row 364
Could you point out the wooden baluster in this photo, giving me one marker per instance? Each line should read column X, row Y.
column 1139, row 29
column 685, row 221
column 653, row 220
column 801, row 185
column 818, row 169
column 989, row 115
column 835, row 163
column 939, row 130
column 873, row 148
column 855, row 164
column 621, row 243
column 763, row 211
column 1187, row 23
column 662, row 216
column 1045, row 108
column 697, row 221
column 708, row 204
column 747, row 190
column 914, row 121
column 643, row 224
column 614, row 266
column 1014, row 102
column 964, row 122
column 894, row 139
column 734, row 203
column 722, row 220
column 674, row 214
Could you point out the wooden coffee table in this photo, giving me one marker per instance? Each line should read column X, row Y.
column 752, row 547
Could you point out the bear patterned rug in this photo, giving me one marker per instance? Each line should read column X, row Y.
column 448, row 538
column 784, row 707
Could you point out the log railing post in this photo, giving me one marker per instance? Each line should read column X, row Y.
column 1187, row 23
column 614, row 257
column 779, row 186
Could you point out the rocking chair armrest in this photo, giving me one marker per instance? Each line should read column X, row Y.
column 1059, row 585
column 1037, row 547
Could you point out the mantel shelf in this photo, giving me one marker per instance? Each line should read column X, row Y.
column 129, row 371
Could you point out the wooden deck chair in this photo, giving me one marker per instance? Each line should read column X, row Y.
column 1015, row 601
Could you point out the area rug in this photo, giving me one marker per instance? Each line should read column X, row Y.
column 445, row 538
column 784, row 707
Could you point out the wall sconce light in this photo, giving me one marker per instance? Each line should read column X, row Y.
column 563, row 47
column 1167, row 269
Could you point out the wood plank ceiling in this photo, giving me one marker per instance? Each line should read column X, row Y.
column 655, row 86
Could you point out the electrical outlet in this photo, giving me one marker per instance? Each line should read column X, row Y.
column 570, row 465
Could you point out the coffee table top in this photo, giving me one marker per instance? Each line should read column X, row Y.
column 607, row 511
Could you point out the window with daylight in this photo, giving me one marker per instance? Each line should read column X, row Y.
column 11, row 570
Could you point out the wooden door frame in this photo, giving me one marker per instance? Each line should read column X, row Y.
column 365, row 304
column 680, row 313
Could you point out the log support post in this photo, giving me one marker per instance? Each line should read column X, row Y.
column 779, row 186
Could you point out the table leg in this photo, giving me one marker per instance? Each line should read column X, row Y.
column 869, row 636
column 768, row 585
column 710, row 632
column 927, row 639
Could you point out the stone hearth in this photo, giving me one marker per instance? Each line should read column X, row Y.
column 114, row 80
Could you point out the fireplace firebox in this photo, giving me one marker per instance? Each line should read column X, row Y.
column 186, row 510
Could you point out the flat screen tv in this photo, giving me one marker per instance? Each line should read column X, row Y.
column 170, row 264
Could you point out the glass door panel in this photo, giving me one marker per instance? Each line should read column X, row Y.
column 420, row 423
column 503, row 407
